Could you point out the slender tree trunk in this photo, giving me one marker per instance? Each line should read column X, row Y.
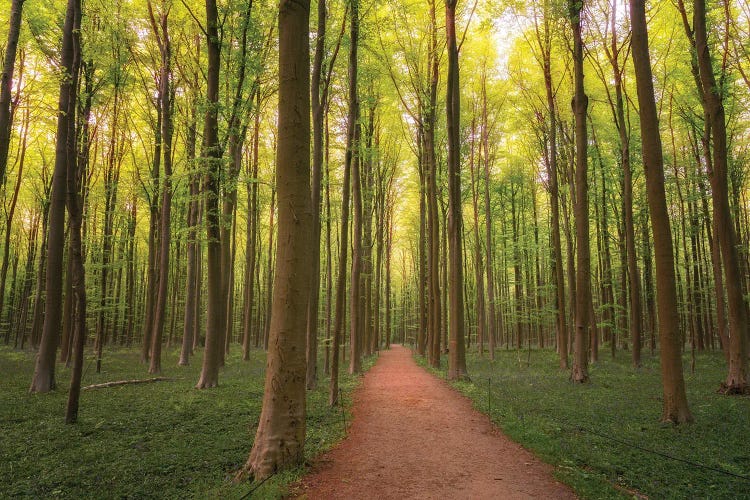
column 457, row 358
column 737, row 380
column 6, row 85
column 74, row 199
column 165, row 101
column 354, row 158
column 675, row 407
column 583, row 250
column 44, row 371
column 216, row 309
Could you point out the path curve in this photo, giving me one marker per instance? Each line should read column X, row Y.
column 415, row 437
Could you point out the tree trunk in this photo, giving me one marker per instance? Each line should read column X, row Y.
column 354, row 158
column 44, row 371
column 280, row 439
column 457, row 358
column 675, row 407
column 736, row 382
column 6, row 85
column 216, row 309
column 165, row 101
column 581, row 209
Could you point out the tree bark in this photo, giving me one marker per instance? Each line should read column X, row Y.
column 279, row 441
column 675, row 407
column 216, row 309
column 457, row 357
column 44, row 371
column 6, row 84
column 581, row 208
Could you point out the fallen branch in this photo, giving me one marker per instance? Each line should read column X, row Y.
column 128, row 382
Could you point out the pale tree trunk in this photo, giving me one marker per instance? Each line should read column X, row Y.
column 457, row 356
column 478, row 266
column 279, row 441
column 44, row 371
column 581, row 215
column 675, row 407
column 192, row 246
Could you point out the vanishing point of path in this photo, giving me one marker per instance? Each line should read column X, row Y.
column 415, row 437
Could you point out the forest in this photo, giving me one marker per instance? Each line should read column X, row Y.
column 216, row 217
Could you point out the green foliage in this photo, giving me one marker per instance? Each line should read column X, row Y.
column 581, row 429
column 165, row 440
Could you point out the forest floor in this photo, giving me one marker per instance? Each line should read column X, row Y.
column 415, row 437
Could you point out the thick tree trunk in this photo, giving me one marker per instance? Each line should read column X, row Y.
column 675, row 407
column 280, row 439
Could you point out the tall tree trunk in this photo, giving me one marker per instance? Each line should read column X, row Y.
column 558, row 277
column 737, row 380
column 675, row 407
column 161, row 32
column 280, row 439
column 354, row 158
column 6, row 85
column 581, row 208
column 317, row 104
column 44, row 371
column 74, row 202
column 216, row 309
column 191, row 279
column 457, row 358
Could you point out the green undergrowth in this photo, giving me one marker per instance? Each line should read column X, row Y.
column 158, row 440
column 605, row 438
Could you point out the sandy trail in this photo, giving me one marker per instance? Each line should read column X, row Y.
column 415, row 437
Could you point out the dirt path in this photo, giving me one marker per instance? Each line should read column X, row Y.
column 415, row 437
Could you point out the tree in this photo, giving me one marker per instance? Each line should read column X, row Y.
column 457, row 359
column 581, row 208
column 674, row 407
column 216, row 310
column 161, row 33
column 44, row 371
column 280, row 438
column 739, row 327
column 6, row 84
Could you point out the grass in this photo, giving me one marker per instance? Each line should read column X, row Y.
column 581, row 429
column 164, row 440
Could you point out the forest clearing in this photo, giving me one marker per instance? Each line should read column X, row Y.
column 217, row 216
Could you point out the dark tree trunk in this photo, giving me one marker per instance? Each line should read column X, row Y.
column 216, row 309
column 675, row 408
column 44, row 371
column 6, row 84
column 457, row 358
column 583, row 250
